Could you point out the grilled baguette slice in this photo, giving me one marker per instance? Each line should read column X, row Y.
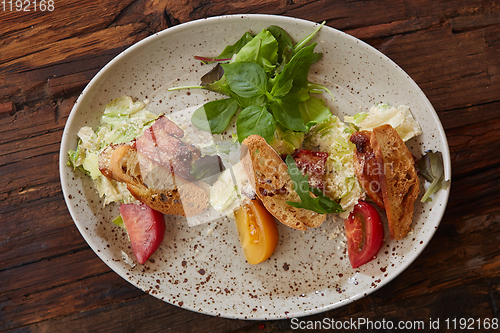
column 121, row 162
column 399, row 181
column 271, row 182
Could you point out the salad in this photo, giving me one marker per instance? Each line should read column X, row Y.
column 266, row 92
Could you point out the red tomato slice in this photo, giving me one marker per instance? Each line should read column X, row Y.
column 365, row 234
column 145, row 228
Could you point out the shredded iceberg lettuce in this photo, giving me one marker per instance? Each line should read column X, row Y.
column 341, row 183
column 123, row 120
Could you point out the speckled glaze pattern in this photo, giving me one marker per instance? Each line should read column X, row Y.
column 202, row 268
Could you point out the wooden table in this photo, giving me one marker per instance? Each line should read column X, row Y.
column 50, row 279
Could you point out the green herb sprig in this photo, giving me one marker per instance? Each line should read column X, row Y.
column 265, row 78
column 320, row 204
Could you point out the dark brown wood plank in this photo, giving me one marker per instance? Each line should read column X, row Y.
column 6, row 107
column 142, row 314
column 29, row 173
column 464, row 23
column 475, row 194
column 20, row 309
column 52, row 272
column 453, row 119
column 475, row 147
column 94, row 37
column 448, row 82
column 23, row 29
column 394, row 28
column 39, row 243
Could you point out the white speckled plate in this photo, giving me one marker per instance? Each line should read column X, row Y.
column 202, row 268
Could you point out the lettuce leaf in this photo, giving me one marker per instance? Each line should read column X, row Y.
column 286, row 141
column 400, row 118
column 430, row 166
column 123, row 120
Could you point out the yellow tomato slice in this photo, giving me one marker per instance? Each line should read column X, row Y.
column 257, row 230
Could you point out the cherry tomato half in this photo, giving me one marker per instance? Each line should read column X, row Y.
column 257, row 230
column 145, row 228
column 365, row 234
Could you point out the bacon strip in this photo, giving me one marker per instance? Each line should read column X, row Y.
column 367, row 167
column 312, row 164
column 161, row 144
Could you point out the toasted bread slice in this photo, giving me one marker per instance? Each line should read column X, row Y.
column 398, row 181
column 180, row 197
column 272, row 183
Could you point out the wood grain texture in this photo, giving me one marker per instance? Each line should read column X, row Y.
column 51, row 281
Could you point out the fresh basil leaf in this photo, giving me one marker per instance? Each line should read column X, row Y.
column 268, row 66
column 281, row 88
column 297, row 68
column 262, row 50
column 314, row 111
column 214, row 116
column 246, row 79
column 315, row 57
column 219, row 86
column 321, row 204
column 245, row 102
column 285, row 44
column 287, row 114
column 255, row 120
column 231, row 50
column 301, row 96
